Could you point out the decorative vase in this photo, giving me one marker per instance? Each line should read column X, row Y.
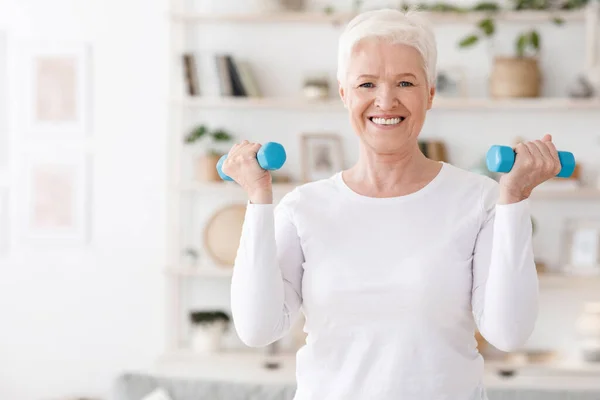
column 208, row 328
column 207, row 337
column 588, row 328
column 206, row 168
column 515, row 77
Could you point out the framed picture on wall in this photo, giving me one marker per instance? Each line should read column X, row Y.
column 56, row 197
column 56, row 95
column 581, row 254
column 322, row 155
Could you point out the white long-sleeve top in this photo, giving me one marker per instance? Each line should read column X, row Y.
column 392, row 289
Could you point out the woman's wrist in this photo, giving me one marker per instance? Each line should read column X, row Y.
column 261, row 196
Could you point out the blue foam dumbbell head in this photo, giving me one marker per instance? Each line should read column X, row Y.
column 271, row 156
column 220, row 171
column 567, row 162
column 500, row 158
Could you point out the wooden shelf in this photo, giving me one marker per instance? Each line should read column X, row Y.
column 561, row 367
column 225, row 188
column 547, row 280
column 330, row 105
column 579, row 194
column 316, row 17
column 235, row 366
column 563, row 281
column 232, row 187
column 276, row 103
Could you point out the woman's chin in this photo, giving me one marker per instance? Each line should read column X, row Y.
column 385, row 144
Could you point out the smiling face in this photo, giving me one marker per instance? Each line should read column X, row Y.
column 387, row 94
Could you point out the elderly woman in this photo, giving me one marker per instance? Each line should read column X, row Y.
column 399, row 259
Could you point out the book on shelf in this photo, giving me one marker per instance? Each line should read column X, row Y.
column 233, row 77
column 434, row 150
column 190, row 71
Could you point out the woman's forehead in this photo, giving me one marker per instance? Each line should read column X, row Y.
column 398, row 59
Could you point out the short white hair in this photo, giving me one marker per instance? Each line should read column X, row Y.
column 409, row 27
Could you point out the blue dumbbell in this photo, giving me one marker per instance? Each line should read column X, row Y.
column 502, row 158
column 270, row 156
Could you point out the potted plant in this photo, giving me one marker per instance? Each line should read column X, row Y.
column 512, row 76
column 208, row 328
column 206, row 167
column 519, row 74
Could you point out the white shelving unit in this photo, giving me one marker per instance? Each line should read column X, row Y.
column 176, row 274
column 335, row 105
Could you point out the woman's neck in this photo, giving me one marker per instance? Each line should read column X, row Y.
column 386, row 175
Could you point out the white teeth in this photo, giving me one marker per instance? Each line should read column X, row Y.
column 387, row 121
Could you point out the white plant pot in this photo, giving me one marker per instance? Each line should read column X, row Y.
column 588, row 327
column 207, row 337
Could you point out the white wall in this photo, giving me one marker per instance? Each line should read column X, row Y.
column 70, row 319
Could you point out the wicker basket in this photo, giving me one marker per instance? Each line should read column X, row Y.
column 515, row 77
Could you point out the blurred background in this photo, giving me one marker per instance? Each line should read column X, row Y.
column 117, row 237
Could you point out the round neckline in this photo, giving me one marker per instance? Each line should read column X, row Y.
column 395, row 199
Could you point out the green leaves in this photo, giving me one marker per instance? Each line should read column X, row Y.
column 218, row 135
column 527, row 40
column 195, row 134
column 469, row 41
column 221, row 136
column 484, row 6
column 487, row 26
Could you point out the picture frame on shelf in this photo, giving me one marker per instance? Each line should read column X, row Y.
column 56, row 196
column 57, row 90
column 581, row 253
column 322, row 155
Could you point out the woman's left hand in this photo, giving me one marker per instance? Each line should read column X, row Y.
column 535, row 162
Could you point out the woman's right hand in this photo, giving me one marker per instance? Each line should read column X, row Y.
column 242, row 166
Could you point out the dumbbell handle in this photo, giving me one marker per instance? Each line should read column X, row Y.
column 271, row 156
column 502, row 159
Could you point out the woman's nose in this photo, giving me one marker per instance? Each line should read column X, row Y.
column 386, row 98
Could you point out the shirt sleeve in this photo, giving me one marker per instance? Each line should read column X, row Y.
column 266, row 292
column 505, row 282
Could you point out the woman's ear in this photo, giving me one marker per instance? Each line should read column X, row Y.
column 342, row 92
column 430, row 97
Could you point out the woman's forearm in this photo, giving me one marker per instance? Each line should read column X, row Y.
column 508, row 306
column 264, row 291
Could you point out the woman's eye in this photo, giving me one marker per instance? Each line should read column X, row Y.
column 366, row 85
column 405, row 84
